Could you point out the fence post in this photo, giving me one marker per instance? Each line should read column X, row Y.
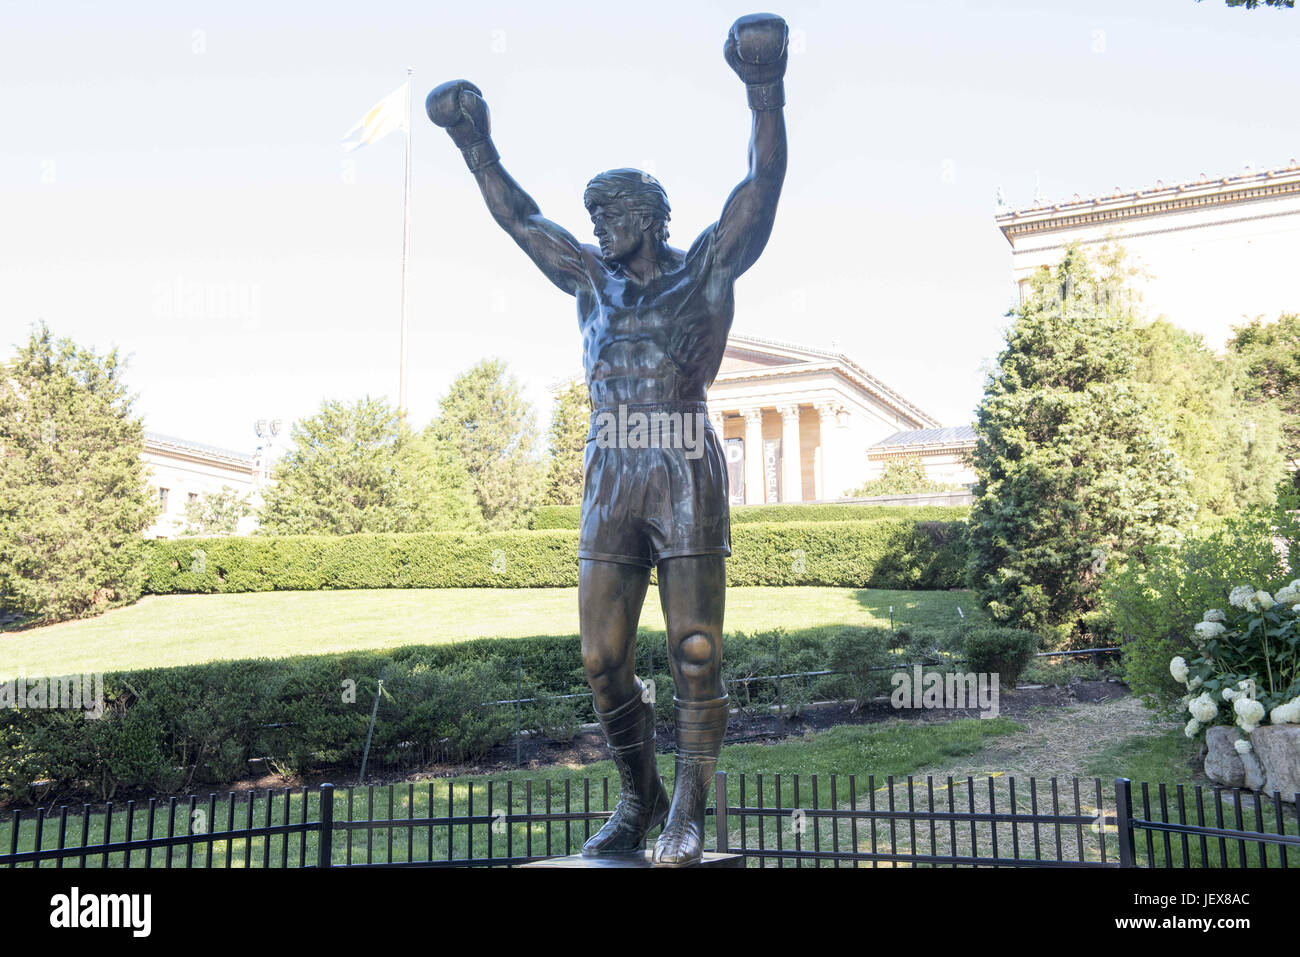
column 720, row 817
column 1124, row 822
column 325, row 845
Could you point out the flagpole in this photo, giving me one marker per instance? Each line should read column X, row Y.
column 406, row 245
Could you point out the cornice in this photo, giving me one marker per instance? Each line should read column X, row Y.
column 1159, row 200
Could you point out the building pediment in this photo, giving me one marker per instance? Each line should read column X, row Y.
column 750, row 359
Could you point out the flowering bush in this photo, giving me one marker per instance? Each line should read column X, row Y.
column 1248, row 669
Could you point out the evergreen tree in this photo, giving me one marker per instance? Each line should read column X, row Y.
column 74, row 495
column 490, row 424
column 360, row 468
column 567, row 441
column 1074, row 471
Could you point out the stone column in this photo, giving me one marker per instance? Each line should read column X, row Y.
column 753, row 456
column 827, row 485
column 791, row 466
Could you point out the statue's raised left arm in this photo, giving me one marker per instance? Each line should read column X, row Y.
column 756, row 49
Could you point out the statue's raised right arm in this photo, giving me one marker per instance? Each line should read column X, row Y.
column 756, row 49
column 459, row 108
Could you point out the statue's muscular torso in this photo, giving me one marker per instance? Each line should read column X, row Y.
column 658, row 342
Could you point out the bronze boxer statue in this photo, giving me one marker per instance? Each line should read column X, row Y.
column 654, row 323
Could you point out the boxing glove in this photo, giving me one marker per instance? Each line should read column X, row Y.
column 459, row 108
column 756, row 49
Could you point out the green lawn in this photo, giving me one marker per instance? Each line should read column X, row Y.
column 163, row 631
column 1169, row 764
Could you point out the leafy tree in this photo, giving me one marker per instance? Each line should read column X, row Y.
column 74, row 496
column 1230, row 445
column 1252, row 4
column 903, row 476
column 490, row 424
column 1271, row 355
column 567, row 442
column 216, row 513
column 1073, row 468
column 360, row 468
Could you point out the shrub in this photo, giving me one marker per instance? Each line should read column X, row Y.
column 857, row 652
column 1155, row 605
column 555, row 718
column 664, row 690
column 1247, row 671
column 1005, row 651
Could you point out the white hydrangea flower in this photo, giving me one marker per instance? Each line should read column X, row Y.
column 1288, row 713
column 1178, row 668
column 1288, row 596
column 1193, row 726
column 1242, row 745
column 1264, row 599
column 1249, row 713
column 1237, row 598
column 1209, row 629
column 1203, row 708
column 1214, row 614
column 1231, row 694
column 1194, row 683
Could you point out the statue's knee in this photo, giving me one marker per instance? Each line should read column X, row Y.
column 605, row 669
column 697, row 652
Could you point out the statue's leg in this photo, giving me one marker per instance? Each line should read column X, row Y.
column 691, row 589
column 610, row 595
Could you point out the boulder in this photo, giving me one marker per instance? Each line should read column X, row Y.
column 1255, row 775
column 1223, row 764
column 1278, row 749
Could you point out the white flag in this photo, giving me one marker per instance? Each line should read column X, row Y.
column 386, row 116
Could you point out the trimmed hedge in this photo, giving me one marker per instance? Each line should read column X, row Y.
column 308, row 562
column 865, row 554
column 881, row 554
column 566, row 516
column 166, row 730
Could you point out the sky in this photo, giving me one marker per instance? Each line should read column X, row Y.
column 173, row 184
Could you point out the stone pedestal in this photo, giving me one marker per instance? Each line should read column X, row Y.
column 577, row 861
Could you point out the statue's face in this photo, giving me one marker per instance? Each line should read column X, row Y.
column 619, row 231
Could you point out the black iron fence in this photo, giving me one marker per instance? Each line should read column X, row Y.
column 772, row 820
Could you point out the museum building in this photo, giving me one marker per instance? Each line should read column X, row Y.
column 1216, row 251
column 801, row 424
